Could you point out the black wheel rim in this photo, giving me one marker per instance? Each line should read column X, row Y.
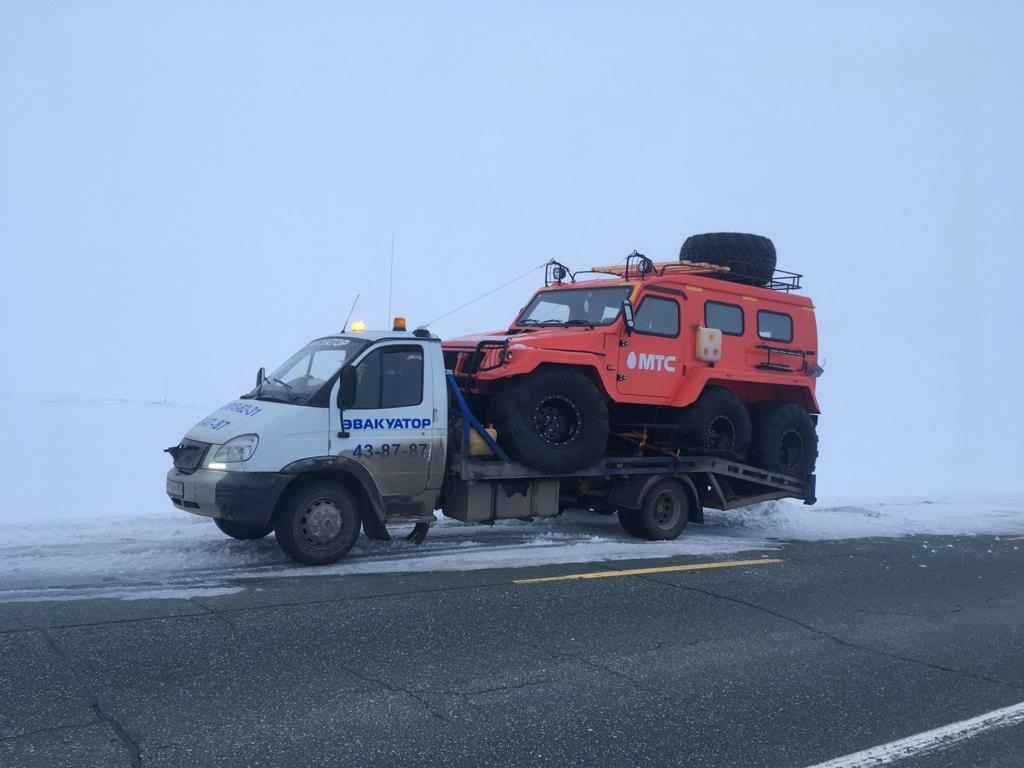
column 666, row 510
column 321, row 523
column 791, row 450
column 557, row 421
column 720, row 434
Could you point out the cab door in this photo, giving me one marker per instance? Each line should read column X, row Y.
column 650, row 360
column 390, row 425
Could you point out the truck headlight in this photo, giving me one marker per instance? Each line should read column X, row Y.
column 236, row 449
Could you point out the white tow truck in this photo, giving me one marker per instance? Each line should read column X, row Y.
column 368, row 430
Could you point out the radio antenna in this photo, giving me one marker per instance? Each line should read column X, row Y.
column 391, row 278
column 350, row 313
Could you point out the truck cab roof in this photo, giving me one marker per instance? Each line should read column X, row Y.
column 374, row 336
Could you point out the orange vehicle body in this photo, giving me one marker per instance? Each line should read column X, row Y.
column 645, row 369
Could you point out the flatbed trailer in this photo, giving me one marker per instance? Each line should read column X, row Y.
column 488, row 489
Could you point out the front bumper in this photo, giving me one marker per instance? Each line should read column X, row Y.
column 245, row 497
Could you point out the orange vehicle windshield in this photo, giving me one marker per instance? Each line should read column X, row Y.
column 575, row 306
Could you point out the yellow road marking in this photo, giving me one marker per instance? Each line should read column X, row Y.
column 644, row 571
column 1016, row 538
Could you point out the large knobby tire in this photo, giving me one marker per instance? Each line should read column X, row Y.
column 553, row 419
column 318, row 523
column 717, row 424
column 242, row 531
column 750, row 258
column 784, row 438
column 665, row 511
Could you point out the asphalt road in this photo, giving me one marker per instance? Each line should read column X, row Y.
column 839, row 647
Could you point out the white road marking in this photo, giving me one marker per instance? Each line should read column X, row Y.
column 929, row 741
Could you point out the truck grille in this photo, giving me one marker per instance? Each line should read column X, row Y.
column 190, row 455
column 487, row 356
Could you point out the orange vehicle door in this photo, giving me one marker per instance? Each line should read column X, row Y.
column 650, row 359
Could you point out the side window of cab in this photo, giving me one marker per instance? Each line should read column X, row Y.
column 390, row 377
column 657, row 317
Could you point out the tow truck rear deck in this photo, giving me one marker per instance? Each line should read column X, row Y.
column 488, row 489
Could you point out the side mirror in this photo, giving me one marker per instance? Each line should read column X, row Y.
column 347, row 390
column 261, row 374
column 627, row 316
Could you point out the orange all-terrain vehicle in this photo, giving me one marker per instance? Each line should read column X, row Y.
column 712, row 354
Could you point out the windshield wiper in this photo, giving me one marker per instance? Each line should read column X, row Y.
column 284, row 384
column 272, row 396
column 531, row 321
column 259, row 394
column 579, row 322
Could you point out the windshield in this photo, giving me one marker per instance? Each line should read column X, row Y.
column 309, row 369
column 575, row 306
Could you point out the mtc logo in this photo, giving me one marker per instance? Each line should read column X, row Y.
column 646, row 362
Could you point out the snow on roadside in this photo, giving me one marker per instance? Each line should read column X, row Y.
column 943, row 516
column 178, row 555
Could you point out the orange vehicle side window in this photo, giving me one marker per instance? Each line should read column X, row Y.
column 775, row 326
column 728, row 318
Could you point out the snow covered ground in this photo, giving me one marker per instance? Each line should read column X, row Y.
column 179, row 555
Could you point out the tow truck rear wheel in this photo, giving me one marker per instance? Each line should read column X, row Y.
column 664, row 512
column 242, row 531
column 629, row 519
column 318, row 524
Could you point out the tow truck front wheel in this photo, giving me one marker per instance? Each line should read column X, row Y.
column 242, row 531
column 318, row 524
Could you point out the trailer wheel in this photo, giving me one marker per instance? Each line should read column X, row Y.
column 665, row 511
column 629, row 519
column 242, row 531
column 318, row 524
column 553, row 419
column 784, row 438
column 717, row 423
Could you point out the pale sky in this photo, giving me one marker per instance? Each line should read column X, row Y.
column 189, row 190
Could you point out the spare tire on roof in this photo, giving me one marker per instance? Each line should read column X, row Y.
column 750, row 258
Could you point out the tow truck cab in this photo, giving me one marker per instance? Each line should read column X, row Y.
column 366, row 410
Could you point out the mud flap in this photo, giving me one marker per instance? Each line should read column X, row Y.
column 373, row 528
column 418, row 533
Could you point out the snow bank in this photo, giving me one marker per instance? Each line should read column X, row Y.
column 946, row 516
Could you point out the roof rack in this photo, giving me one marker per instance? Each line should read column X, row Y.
column 638, row 266
column 781, row 280
column 784, row 281
column 660, row 268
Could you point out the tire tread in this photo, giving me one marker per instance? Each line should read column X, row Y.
column 751, row 258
